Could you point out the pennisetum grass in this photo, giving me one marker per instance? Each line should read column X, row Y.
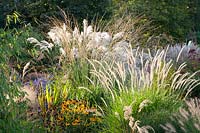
column 142, row 71
column 114, row 65
column 151, row 76
column 187, row 119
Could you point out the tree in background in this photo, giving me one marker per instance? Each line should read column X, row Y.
column 38, row 10
column 178, row 18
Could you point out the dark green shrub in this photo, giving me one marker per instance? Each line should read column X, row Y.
column 175, row 18
column 34, row 11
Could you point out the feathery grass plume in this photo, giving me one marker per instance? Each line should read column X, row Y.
column 128, row 28
column 134, row 125
column 43, row 45
column 184, row 53
column 25, row 70
column 143, row 71
column 70, row 36
column 187, row 120
column 143, row 104
column 141, row 76
column 93, row 40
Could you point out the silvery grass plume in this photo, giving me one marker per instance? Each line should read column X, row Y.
column 183, row 53
column 43, row 45
column 94, row 41
column 144, row 104
column 86, row 43
column 139, row 71
column 24, row 72
column 187, row 120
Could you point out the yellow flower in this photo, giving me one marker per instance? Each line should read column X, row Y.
column 73, row 101
column 85, row 112
column 77, row 120
column 82, row 107
column 60, row 118
column 67, row 124
column 75, row 123
column 93, row 119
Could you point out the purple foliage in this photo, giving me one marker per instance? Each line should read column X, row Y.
column 40, row 82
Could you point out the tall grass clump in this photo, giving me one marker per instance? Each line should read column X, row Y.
column 147, row 83
column 137, row 89
column 75, row 45
column 90, row 40
column 186, row 120
column 190, row 54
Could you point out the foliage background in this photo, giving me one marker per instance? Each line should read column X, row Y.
column 179, row 19
column 35, row 10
